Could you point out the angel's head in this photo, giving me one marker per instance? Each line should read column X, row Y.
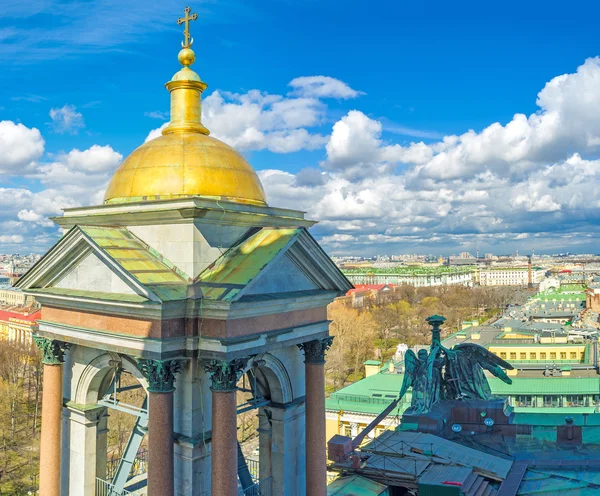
column 422, row 354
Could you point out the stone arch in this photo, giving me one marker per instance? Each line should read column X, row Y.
column 95, row 374
column 276, row 377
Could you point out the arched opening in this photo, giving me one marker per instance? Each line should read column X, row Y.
column 115, row 384
column 266, row 385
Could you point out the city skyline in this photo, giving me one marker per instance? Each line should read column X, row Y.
column 374, row 143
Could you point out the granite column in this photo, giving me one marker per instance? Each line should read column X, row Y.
column 161, row 378
column 316, row 460
column 52, row 400
column 224, row 468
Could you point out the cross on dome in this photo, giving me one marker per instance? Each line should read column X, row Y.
column 187, row 43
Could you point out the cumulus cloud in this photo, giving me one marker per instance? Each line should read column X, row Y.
column 322, row 87
column 260, row 121
column 525, row 181
column 20, row 147
column 12, row 239
column 66, row 119
column 530, row 183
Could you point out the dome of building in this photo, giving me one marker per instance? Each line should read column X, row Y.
column 185, row 161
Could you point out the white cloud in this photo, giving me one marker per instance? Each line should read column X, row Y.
column 13, row 239
column 322, row 87
column 66, row 119
column 20, row 147
column 28, row 216
column 155, row 133
column 260, row 121
column 157, row 114
column 531, row 183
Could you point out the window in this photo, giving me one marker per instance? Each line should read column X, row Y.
column 573, row 355
column 533, row 356
column 551, row 401
column 552, row 355
column 575, row 400
column 513, row 356
column 523, row 356
column 563, row 355
column 347, row 431
column 523, row 400
column 502, row 354
column 543, row 355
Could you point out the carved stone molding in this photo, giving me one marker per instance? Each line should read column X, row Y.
column 225, row 375
column 314, row 351
column 160, row 374
column 53, row 350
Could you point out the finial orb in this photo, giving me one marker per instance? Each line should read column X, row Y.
column 186, row 57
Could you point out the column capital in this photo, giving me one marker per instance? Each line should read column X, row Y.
column 314, row 351
column 53, row 350
column 224, row 374
column 160, row 373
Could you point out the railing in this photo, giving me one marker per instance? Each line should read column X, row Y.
column 362, row 399
column 263, row 487
column 253, row 468
column 105, row 488
column 140, row 465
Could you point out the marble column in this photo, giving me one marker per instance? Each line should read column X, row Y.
column 52, row 400
column 161, row 378
column 224, row 470
column 316, row 460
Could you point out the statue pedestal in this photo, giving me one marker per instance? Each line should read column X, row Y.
column 473, row 416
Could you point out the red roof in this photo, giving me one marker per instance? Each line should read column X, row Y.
column 358, row 288
column 31, row 317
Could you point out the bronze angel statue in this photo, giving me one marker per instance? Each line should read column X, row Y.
column 455, row 373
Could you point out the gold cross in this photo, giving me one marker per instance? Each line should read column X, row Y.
column 186, row 32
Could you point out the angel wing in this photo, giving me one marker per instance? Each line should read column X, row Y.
column 411, row 365
column 486, row 359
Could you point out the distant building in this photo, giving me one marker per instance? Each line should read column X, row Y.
column 418, row 276
column 17, row 324
column 510, row 276
column 14, row 296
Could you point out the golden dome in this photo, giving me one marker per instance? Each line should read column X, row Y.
column 185, row 161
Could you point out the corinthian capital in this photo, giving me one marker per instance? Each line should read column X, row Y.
column 224, row 374
column 53, row 350
column 160, row 374
column 314, row 351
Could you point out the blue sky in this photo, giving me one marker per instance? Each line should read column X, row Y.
column 363, row 149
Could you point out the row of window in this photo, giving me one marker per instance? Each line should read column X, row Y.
column 543, row 355
column 554, row 401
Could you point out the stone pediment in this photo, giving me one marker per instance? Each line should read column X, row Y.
column 109, row 264
column 272, row 261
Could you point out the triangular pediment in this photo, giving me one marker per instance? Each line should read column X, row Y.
column 105, row 264
column 272, row 262
column 91, row 273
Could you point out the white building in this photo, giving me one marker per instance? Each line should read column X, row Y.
column 510, row 276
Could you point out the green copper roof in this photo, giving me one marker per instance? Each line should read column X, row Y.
column 355, row 485
column 146, row 265
column 369, row 395
column 546, row 385
column 92, row 295
column 232, row 271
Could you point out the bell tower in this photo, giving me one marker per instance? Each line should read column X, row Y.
column 182, row 282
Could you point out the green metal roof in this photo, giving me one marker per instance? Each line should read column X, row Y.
column 146, row 265
column 232, row 271
column 546, row 385
column 355, row 486
column 372, row 362
column 372, row 394
column 93, row 295
column 369, row 395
